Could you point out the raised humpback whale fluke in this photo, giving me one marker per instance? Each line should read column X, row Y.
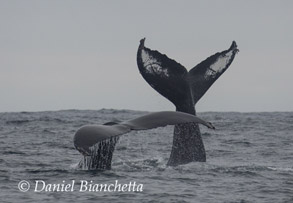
column 97, row 142
column 184, row 89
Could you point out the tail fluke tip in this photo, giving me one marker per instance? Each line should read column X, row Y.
column 210, row 125
column 141, row 45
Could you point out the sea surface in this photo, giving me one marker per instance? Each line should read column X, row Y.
column 249, row 159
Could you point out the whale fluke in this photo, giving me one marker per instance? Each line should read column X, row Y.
column 184, row 89
column 163, row 118
column 173, row 81
column 97, row 142
column 203, row 75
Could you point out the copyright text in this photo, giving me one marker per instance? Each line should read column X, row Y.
column 79, row 186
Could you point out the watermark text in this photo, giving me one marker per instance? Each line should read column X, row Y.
column 79, row 186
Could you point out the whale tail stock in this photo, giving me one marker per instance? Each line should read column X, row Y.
column 184, row 89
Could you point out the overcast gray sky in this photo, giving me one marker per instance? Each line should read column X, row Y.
column 82, row 54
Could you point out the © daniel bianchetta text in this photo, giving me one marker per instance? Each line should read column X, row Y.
column 87, row 186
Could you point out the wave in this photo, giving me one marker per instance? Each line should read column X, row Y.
column 288, row 169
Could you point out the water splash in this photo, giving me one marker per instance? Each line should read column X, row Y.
column 101, row 155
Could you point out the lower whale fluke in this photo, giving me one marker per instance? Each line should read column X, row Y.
column 97, row 142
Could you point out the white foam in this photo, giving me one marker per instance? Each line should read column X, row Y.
column 280, row 169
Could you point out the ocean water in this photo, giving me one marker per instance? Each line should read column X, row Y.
column 249, row 159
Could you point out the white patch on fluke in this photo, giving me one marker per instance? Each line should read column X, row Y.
column 152, row 65
column 219, row 65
